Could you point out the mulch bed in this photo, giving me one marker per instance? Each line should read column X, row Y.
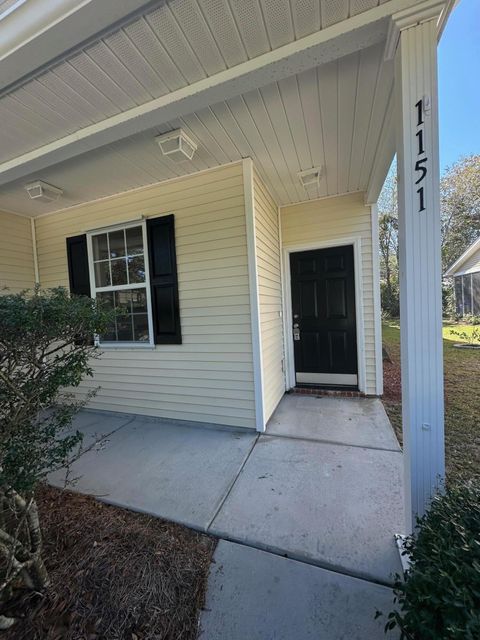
column 392, row 395
column 115, row 575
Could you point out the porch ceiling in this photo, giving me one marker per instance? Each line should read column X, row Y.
column 330, row 115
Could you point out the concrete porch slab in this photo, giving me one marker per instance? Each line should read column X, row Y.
column 181, row 473
column 356, row 421
column 257, row 595
column 332, row 505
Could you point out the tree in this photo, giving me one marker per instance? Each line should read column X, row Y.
column 45, row 348
column 388, row 239
column 460, row 208
column 460, row 218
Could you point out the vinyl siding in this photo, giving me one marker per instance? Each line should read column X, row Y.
column 16, row 253
column 208, row 378
column 472, row 265
column 267, row 246
column 334, row 219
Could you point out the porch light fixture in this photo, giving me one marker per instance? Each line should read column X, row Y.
column 43, row 191
column 310, row 177
column 177, row 145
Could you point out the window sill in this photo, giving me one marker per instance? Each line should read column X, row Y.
column 128, row 347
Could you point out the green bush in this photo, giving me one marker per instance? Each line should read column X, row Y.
column 440, row 596
column 390, row 299
column 46, row 348
column 469, row 318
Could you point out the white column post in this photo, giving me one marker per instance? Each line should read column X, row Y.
column 420, row 259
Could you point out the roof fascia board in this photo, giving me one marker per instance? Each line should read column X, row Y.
column 348, row 36
column 42, row 32
column 452, row 271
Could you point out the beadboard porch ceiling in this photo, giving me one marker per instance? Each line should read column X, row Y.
column 329, row 115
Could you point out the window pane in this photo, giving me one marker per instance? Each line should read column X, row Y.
column 100, row 248
column 106, row 299
column 124, row 329
column 117, row 243
column 139, row 301
column 119, row 271
column 102, row 274
column 134, row 241
column 136, row 269
column 140, row 327
column 110, row 334
column 123, row 302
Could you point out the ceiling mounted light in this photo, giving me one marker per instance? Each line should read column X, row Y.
column 177, row 145
column 43, row 191
column 310, row 177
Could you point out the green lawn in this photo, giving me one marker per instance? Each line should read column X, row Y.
column 462, row 398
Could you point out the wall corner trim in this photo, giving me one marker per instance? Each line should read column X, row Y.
column 254, row 295
column 377, row 305
column 34, row 251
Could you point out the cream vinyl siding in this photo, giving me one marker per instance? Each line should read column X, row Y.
column 267, row 247
column 333, row 219
column 208, row 378
column 16, row 253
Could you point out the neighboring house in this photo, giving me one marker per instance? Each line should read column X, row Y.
column 466, row 275
column 215, row 167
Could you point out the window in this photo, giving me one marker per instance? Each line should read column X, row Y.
column 119, row 276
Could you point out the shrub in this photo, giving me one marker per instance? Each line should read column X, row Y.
column 390, row 298
column 440, row 596
column 469, row 318
column 45, row 347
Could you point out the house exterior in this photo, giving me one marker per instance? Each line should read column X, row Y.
column 466, row 276
column 212, row 168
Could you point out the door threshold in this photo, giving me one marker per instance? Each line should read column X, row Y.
column 315, row 390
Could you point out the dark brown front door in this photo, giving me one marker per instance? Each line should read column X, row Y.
column 323, row 312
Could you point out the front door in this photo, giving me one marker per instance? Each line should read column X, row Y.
column 323, row 312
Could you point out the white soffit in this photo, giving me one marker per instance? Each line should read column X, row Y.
column 177, row 44
column 329, row 116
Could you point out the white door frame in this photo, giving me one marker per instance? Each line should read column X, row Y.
column 356, row 242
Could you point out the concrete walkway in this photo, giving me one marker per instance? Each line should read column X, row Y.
column 260, row 596
column 322, row 487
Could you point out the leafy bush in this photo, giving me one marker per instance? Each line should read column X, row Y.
column 469, row 318
column 45, row 347
column 390, row 299
column 440, row 596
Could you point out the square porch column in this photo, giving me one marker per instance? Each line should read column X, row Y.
column 414, row 37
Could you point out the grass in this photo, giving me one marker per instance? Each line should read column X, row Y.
column 462, row 398
column 450, row 332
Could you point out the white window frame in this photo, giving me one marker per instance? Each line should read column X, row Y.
column 124, row 287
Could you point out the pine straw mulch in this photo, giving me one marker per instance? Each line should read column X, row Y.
column 392, row 393
column 115, row 575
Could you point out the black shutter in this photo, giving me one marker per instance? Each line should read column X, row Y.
column 78, row 273
column 163, row 280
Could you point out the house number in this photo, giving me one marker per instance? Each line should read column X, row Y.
column 421, row 163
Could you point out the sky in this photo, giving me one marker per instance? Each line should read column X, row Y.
column 459, row 84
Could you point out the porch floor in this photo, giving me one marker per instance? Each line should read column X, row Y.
column 323, row 486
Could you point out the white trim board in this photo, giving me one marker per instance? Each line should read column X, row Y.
column 287, row 304
column 260, row 423
column 377, row 303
